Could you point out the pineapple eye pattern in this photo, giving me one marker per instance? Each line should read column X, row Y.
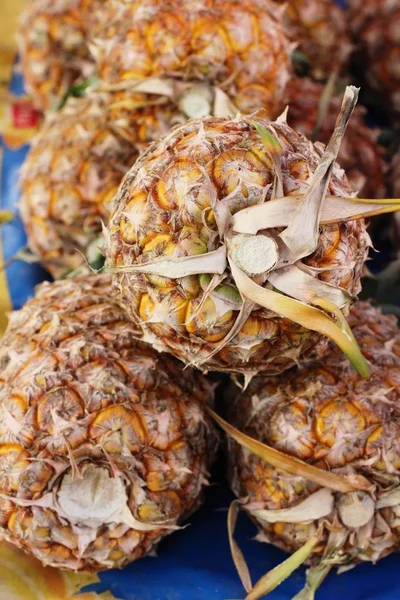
column 105, row 446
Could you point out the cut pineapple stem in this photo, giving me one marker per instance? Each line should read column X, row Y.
column 294, row 466
column 271, row 580
column 255, row 255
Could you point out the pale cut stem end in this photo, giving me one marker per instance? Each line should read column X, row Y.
column 255, row 255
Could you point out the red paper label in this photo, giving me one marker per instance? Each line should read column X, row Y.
column 24, row 115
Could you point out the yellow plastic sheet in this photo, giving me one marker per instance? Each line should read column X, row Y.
column 24, row 578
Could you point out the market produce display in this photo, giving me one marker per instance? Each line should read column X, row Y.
column 191, row 51
column 186, row 209
column 54, row 36
column 73, row 170
column 203, row 189
column 376, row 33
column 319, row 32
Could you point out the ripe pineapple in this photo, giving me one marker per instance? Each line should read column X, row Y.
column 375, row 26
column 236, row 45
column 325, row 415
column 209, row 226
column 74, row 169
column 104, row 445
column 360, row 155
column 319, row 29
column 53, row 42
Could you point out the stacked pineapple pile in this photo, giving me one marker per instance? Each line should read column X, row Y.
column 234, row 243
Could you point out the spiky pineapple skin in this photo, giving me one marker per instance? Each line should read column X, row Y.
column 319, row 30
column 360, row 154
column 74, row 168
column 165, row 208
column 376, row 31
column 53, row 42
column 214, row 41
column 78, row 392
column 325, row 414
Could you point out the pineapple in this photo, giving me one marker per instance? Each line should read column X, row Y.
column 195, row 50
column 54, row 46
column 319, row 29
column 375, row 26
column 74, row 168
column 104, row 445
column 360, row 155
column 342, row 492
column 215, row 248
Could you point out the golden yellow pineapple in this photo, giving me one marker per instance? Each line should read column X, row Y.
column 54, row 46
column 360, row 154
column 319, row 29
column 217, row 251
column 74, row 168
column 104, row 444
column 341, row 497
column 375, row 26
column 236, row 46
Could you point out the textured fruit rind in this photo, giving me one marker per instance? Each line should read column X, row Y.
column 326, row 415
column 166, row 207
column 78, row 392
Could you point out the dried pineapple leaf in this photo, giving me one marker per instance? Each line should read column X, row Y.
column 150, row 85
column 196, row 101
column 223, row 105
column 214, row 281
column 237, row 555
column 301, row 236
column 336, row 209
column 273, row 148
column 298, row 284
column 390, row 498
column 276, row 576
column 175, row 268
column 242, row 317
column 345, row 327
column 303, row 314
column 316, row 506
column 294, row 466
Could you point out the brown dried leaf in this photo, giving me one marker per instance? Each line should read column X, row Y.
column 301, row 236
column 294, row 466
column 336, row 209
column 303, row 314
column 237, row 555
